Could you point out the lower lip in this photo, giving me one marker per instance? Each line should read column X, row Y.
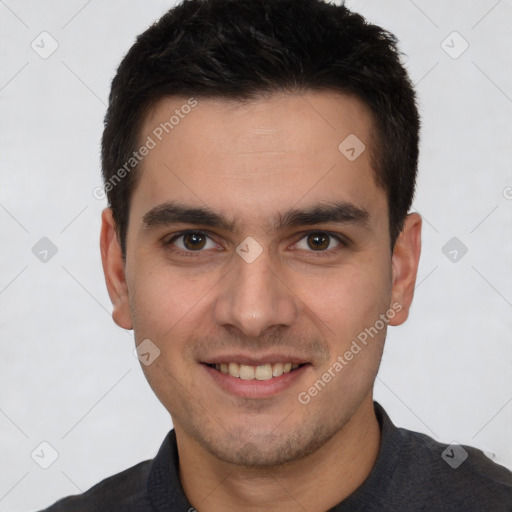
column 256, row 388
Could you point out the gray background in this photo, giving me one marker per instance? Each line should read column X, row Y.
column 68, row 376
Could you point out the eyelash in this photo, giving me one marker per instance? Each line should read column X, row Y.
column 169, row 243
column 343, row 242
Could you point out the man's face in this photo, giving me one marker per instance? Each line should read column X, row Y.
column 254, row 240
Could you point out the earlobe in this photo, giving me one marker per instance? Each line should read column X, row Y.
column 114, row 271
column 405, row 260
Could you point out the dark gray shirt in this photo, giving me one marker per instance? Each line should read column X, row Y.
column 412, row 473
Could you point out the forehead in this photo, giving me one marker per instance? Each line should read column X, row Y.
column 251, row 158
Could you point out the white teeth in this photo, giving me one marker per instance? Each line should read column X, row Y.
column 261, row 372
column 277, row 370
column 234, row 369
column 246, row 372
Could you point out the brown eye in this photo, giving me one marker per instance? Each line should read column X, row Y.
column 318, row 241
column 194, row 241
column 191, row 243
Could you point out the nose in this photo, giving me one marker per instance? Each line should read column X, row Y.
column 254, row 297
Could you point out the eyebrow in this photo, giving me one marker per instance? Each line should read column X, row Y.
column 173, row 213
column 340, row 212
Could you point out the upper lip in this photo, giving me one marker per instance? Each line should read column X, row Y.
column 252, row 360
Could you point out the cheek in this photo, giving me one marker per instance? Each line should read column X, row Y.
column 349, row 299
column 168, row 308
column 164, row 301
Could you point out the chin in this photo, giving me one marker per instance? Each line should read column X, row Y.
column 250, row 448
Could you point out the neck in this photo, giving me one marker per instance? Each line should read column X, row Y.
column 315, row 483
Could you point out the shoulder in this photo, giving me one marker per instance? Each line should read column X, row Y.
column 125, row 491
column 151, row 483
column 451, row 475
column 415, row 472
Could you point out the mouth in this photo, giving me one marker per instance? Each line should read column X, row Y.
column 265, row 371
column 256, row 379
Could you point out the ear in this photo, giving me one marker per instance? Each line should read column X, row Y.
column 405, row 260
column 113, row 268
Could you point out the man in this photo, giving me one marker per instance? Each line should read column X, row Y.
column 260, row 159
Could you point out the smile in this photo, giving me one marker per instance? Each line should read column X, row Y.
column 248, row 372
